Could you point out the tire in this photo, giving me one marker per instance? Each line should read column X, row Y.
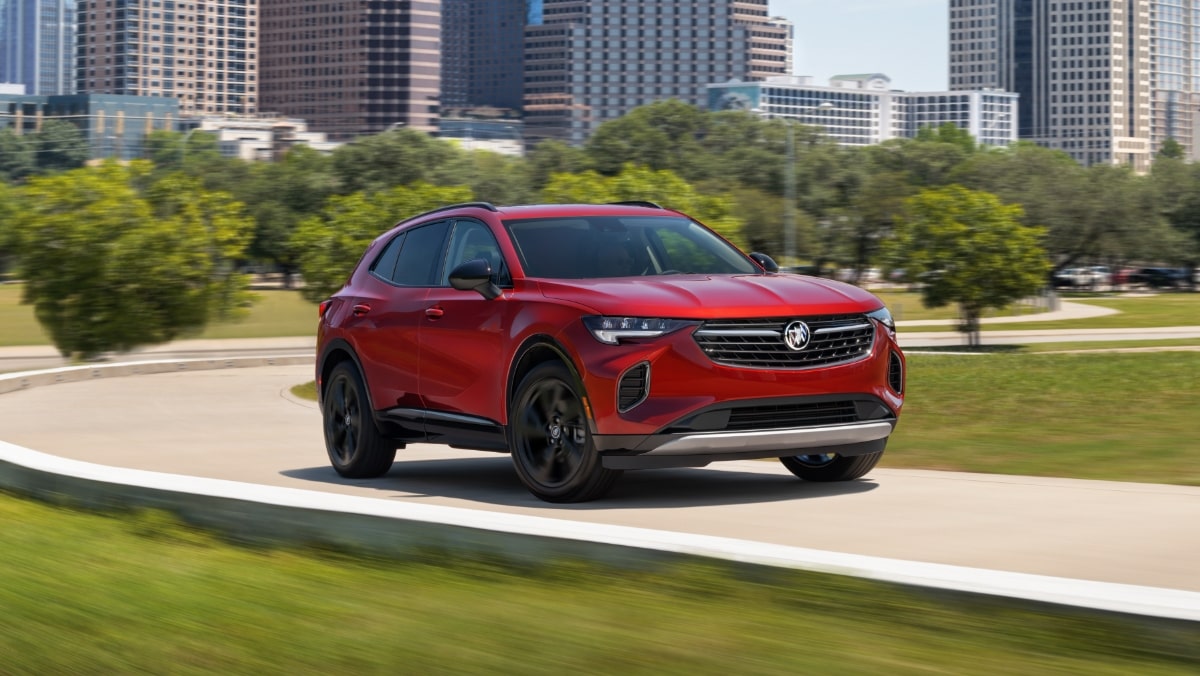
column 830, row 466
column 551, row 441
column 356, row 448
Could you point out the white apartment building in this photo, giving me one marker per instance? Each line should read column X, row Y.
column 863, row 110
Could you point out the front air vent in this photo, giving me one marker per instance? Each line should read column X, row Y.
column 896, row 373
column 633, row 387
column 792, row 415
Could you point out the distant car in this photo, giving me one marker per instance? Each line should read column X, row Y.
column 1091, row 277
column 585, row 340
column 1159, row 278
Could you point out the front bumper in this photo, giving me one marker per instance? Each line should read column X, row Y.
column 697, row 449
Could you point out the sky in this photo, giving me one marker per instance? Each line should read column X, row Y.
column 903, row 39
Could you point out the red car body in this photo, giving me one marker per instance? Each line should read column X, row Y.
column 525, row 348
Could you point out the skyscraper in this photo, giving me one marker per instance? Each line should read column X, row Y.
column 1082, row 68
column 37, row 45
column 352, row 67
column 589, row 61
column 201, row 52
column 482, row 52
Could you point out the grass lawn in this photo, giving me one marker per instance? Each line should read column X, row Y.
column 274, row 313
column 136, row 593
column 1163, row 309
column 1115, row 416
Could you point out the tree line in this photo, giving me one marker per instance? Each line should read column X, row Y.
column 928, row 205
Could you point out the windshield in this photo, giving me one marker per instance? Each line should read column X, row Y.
column 622, row 246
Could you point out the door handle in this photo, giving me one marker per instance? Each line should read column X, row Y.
column 434, row 312
column 361, row 309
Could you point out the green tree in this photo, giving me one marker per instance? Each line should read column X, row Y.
column 60, row 146
column 16, row 156
column 8, row 228
column 661, row 135
column 281, row 194
column 331, row 243
column 552, row 157
column 383, row 161
column 109, row 266
column 1171, row 149
column 968, row 248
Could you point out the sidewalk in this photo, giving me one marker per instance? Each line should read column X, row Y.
column 1066, row 310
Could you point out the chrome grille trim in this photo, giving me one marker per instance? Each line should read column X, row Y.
column 758, row 343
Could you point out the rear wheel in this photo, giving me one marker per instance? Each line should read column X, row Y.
column 830, row 466
column 551, row 443
column 356, row 448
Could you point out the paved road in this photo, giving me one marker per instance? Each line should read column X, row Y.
column 241, row 424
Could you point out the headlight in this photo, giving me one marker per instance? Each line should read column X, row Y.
column 883, row 317
column 612, row 330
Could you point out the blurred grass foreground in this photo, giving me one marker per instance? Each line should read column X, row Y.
column 139, row 593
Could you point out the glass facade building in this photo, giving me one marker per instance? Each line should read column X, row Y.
column 590, row 61
column 1088, row 71
column 352, row 67
column 202, row 52
column 37, row 40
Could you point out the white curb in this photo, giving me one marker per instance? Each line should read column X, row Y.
column 304, row 516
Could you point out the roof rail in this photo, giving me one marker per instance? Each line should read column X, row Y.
column 637, row 203
column 482, row 205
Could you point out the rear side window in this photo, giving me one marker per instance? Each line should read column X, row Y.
column 385, row 266
column 414, row 258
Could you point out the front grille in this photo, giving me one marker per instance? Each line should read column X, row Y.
column 896, row 373
column 792, row 415
column 759, row 343
column 633, row 387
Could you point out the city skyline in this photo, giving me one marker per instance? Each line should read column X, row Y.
column 907, row 40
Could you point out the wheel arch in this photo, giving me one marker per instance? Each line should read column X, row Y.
column 537, row 350
column 339, row 351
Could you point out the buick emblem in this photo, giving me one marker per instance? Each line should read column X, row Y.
column 796, row 336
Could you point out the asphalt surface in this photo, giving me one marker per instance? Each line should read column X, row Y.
column 243, row 425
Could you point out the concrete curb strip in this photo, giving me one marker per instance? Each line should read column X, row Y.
column 278, row 514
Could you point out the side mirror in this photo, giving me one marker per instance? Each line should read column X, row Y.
column 475, row 275
column 765, row 261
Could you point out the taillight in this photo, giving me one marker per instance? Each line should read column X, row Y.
column 323, row 307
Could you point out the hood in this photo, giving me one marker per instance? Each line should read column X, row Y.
column 709, row 296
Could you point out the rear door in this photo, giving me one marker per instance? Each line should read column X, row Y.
column 407, row 268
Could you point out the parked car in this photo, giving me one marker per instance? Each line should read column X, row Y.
column 1159, row 277
column 586, row 340
column 1091, row 276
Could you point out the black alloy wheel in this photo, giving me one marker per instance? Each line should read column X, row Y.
column 550, row 440
column 830, row 466
column 356, row 448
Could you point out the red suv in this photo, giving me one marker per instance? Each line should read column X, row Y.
column 590, row 339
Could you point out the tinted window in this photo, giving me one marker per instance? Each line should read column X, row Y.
column 471, row 240
column 622, row 246
column 385, row 265
column 421, row 255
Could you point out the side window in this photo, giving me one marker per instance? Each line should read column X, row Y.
column 421, row 255
column 384, row 266
column 471, row 240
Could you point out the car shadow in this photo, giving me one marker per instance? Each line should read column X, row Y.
column 492, row 480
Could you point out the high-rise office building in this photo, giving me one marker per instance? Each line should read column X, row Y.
column 590, row 61
column 483, row 52
column 352, row 67
column 1082, row 68
column 1175, row 74
column 202, row 52
column 37, row 45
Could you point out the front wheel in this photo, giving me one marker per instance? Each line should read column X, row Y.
column 551, row 444
column 356, row 448
column 830, row 466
